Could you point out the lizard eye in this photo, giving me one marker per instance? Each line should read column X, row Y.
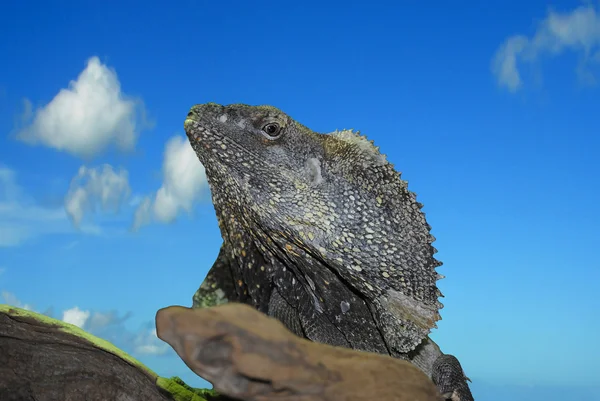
column 272, row 130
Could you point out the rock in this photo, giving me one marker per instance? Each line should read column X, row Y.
column 244, row 353
column 44, row 359
column 249, row 356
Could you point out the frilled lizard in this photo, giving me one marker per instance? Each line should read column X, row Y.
column 320, row 232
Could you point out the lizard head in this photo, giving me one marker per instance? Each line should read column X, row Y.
column 241, row 139
column 256, row 154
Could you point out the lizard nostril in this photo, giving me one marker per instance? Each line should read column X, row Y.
column 191, row 113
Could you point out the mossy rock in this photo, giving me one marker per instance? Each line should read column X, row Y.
column 45, row 358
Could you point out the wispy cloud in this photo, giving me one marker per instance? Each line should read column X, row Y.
column 147, row 343
column 109, row 325
column 183, row 181
column 21, row 218
column 577, row 31
column 96, row 188
column 88, row 116
column 10, row 299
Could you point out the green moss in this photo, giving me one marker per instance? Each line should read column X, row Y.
column 182, row 392
column 174, row 386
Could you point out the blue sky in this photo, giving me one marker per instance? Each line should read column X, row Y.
column 492, row 113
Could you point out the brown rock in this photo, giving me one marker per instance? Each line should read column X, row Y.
column 249, row 356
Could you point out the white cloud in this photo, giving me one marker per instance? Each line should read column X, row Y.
column 93, row 188
column 10, row 299
column 578, row 31
column 76, row 316
column 87, row 117
column 183, row 181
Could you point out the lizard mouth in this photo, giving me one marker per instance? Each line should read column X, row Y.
column 199, row 133
column 195, row 123
column 191, row 124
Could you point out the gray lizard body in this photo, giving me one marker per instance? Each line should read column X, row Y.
column 320, row 232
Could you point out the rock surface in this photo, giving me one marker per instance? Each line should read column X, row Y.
column 249, row 356
column 43, row 359
column 244, row 353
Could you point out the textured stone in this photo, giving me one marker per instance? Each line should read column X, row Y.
column 250, row 356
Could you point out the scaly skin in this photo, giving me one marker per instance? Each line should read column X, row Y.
column 320, row 232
